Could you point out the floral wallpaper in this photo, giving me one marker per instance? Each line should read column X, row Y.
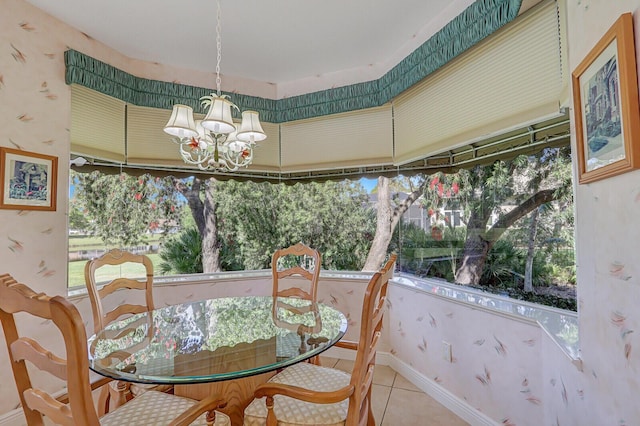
column 34, row 117
column 495, row 363
column 509, row 370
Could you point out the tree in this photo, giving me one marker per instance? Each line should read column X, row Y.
column 201, row 200
column 531, row 245
column 525, row 183
column 78, row 219
column 256, row 219
column 387, row 218
column 124, row 208
column 182, row 254
column 483, row 193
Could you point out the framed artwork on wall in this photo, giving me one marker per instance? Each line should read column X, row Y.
column 605, row 100
column 27, row 180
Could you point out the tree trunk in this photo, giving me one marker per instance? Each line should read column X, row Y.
column 204, row 214
column 476, row 248
column 479, row 241
column 210, row 243
column 381, row 240
column 528, row 272
column 387, row 220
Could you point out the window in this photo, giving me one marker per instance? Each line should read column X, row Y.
column 485, row 202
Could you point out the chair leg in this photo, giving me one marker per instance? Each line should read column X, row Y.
column 315, row 360
column 211, row 418
column 103, row 400
column 371, row 421
column 119, row 394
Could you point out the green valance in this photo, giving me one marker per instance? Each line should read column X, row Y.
column 475, row 23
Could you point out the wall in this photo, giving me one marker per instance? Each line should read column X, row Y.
column 34, row 116
column 607, row 235
column 495, row 366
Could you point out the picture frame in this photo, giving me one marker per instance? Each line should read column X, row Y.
column 605, row 97
column 28, row 180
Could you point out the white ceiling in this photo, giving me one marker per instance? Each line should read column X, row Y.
column 275, row 41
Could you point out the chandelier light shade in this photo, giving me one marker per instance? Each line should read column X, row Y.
column 219, row 119
column 214, row 143
column 181, row 122
column 250, row 128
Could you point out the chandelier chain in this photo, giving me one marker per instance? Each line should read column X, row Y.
column 215, row 142
column 218, row 48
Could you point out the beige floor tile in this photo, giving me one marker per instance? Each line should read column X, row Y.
column 379, row 398
column 326, row 361
column 344, row 365
column 403, row 383
column 383, row 375
column 416, row 408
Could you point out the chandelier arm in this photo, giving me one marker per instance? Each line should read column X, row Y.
column 238, row 157
column 192, row 156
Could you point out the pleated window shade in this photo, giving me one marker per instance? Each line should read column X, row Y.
column 97, row 125
column 148, row 144
column 512, row 78
column 266, row 153
column 352, row 139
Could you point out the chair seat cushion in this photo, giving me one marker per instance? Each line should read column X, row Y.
column 292, row 412
column 156, row 408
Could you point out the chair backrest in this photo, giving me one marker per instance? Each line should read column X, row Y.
column 373, row 308
column 16, row 297
column 312, row 275
column 117, row 257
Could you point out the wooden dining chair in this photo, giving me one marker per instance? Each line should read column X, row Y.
column 300, row 262
column 310, row 394
column 118, row 392
column 287, row 262
column 152, row 407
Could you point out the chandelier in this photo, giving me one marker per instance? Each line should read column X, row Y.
column 214, row 143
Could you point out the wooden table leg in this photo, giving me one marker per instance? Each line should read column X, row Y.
column 238, row 393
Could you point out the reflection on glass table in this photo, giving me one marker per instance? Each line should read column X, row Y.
column 214, row 340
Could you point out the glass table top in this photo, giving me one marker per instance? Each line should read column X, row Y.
column 214, row 340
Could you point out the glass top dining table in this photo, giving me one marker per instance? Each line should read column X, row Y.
column 214, row 340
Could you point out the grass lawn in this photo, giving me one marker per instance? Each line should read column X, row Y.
column 76, row 271
column 85, row 242
column 88, row 243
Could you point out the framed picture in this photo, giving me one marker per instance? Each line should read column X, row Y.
column 607, row 117
column 27, row 180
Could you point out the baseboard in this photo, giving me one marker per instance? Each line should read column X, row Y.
column 13, row 418
column 456, row 405
column 340, row 353
column 16, row 417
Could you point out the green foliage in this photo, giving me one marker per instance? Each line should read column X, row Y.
column 256, row 219
column 483, row 196
column 425, row 256
column 123, row 208
column 542, row 299
column 182, row 253
column 504, row 265
column 77, row 219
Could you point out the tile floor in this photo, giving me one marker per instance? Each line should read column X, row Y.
column 397, row 401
